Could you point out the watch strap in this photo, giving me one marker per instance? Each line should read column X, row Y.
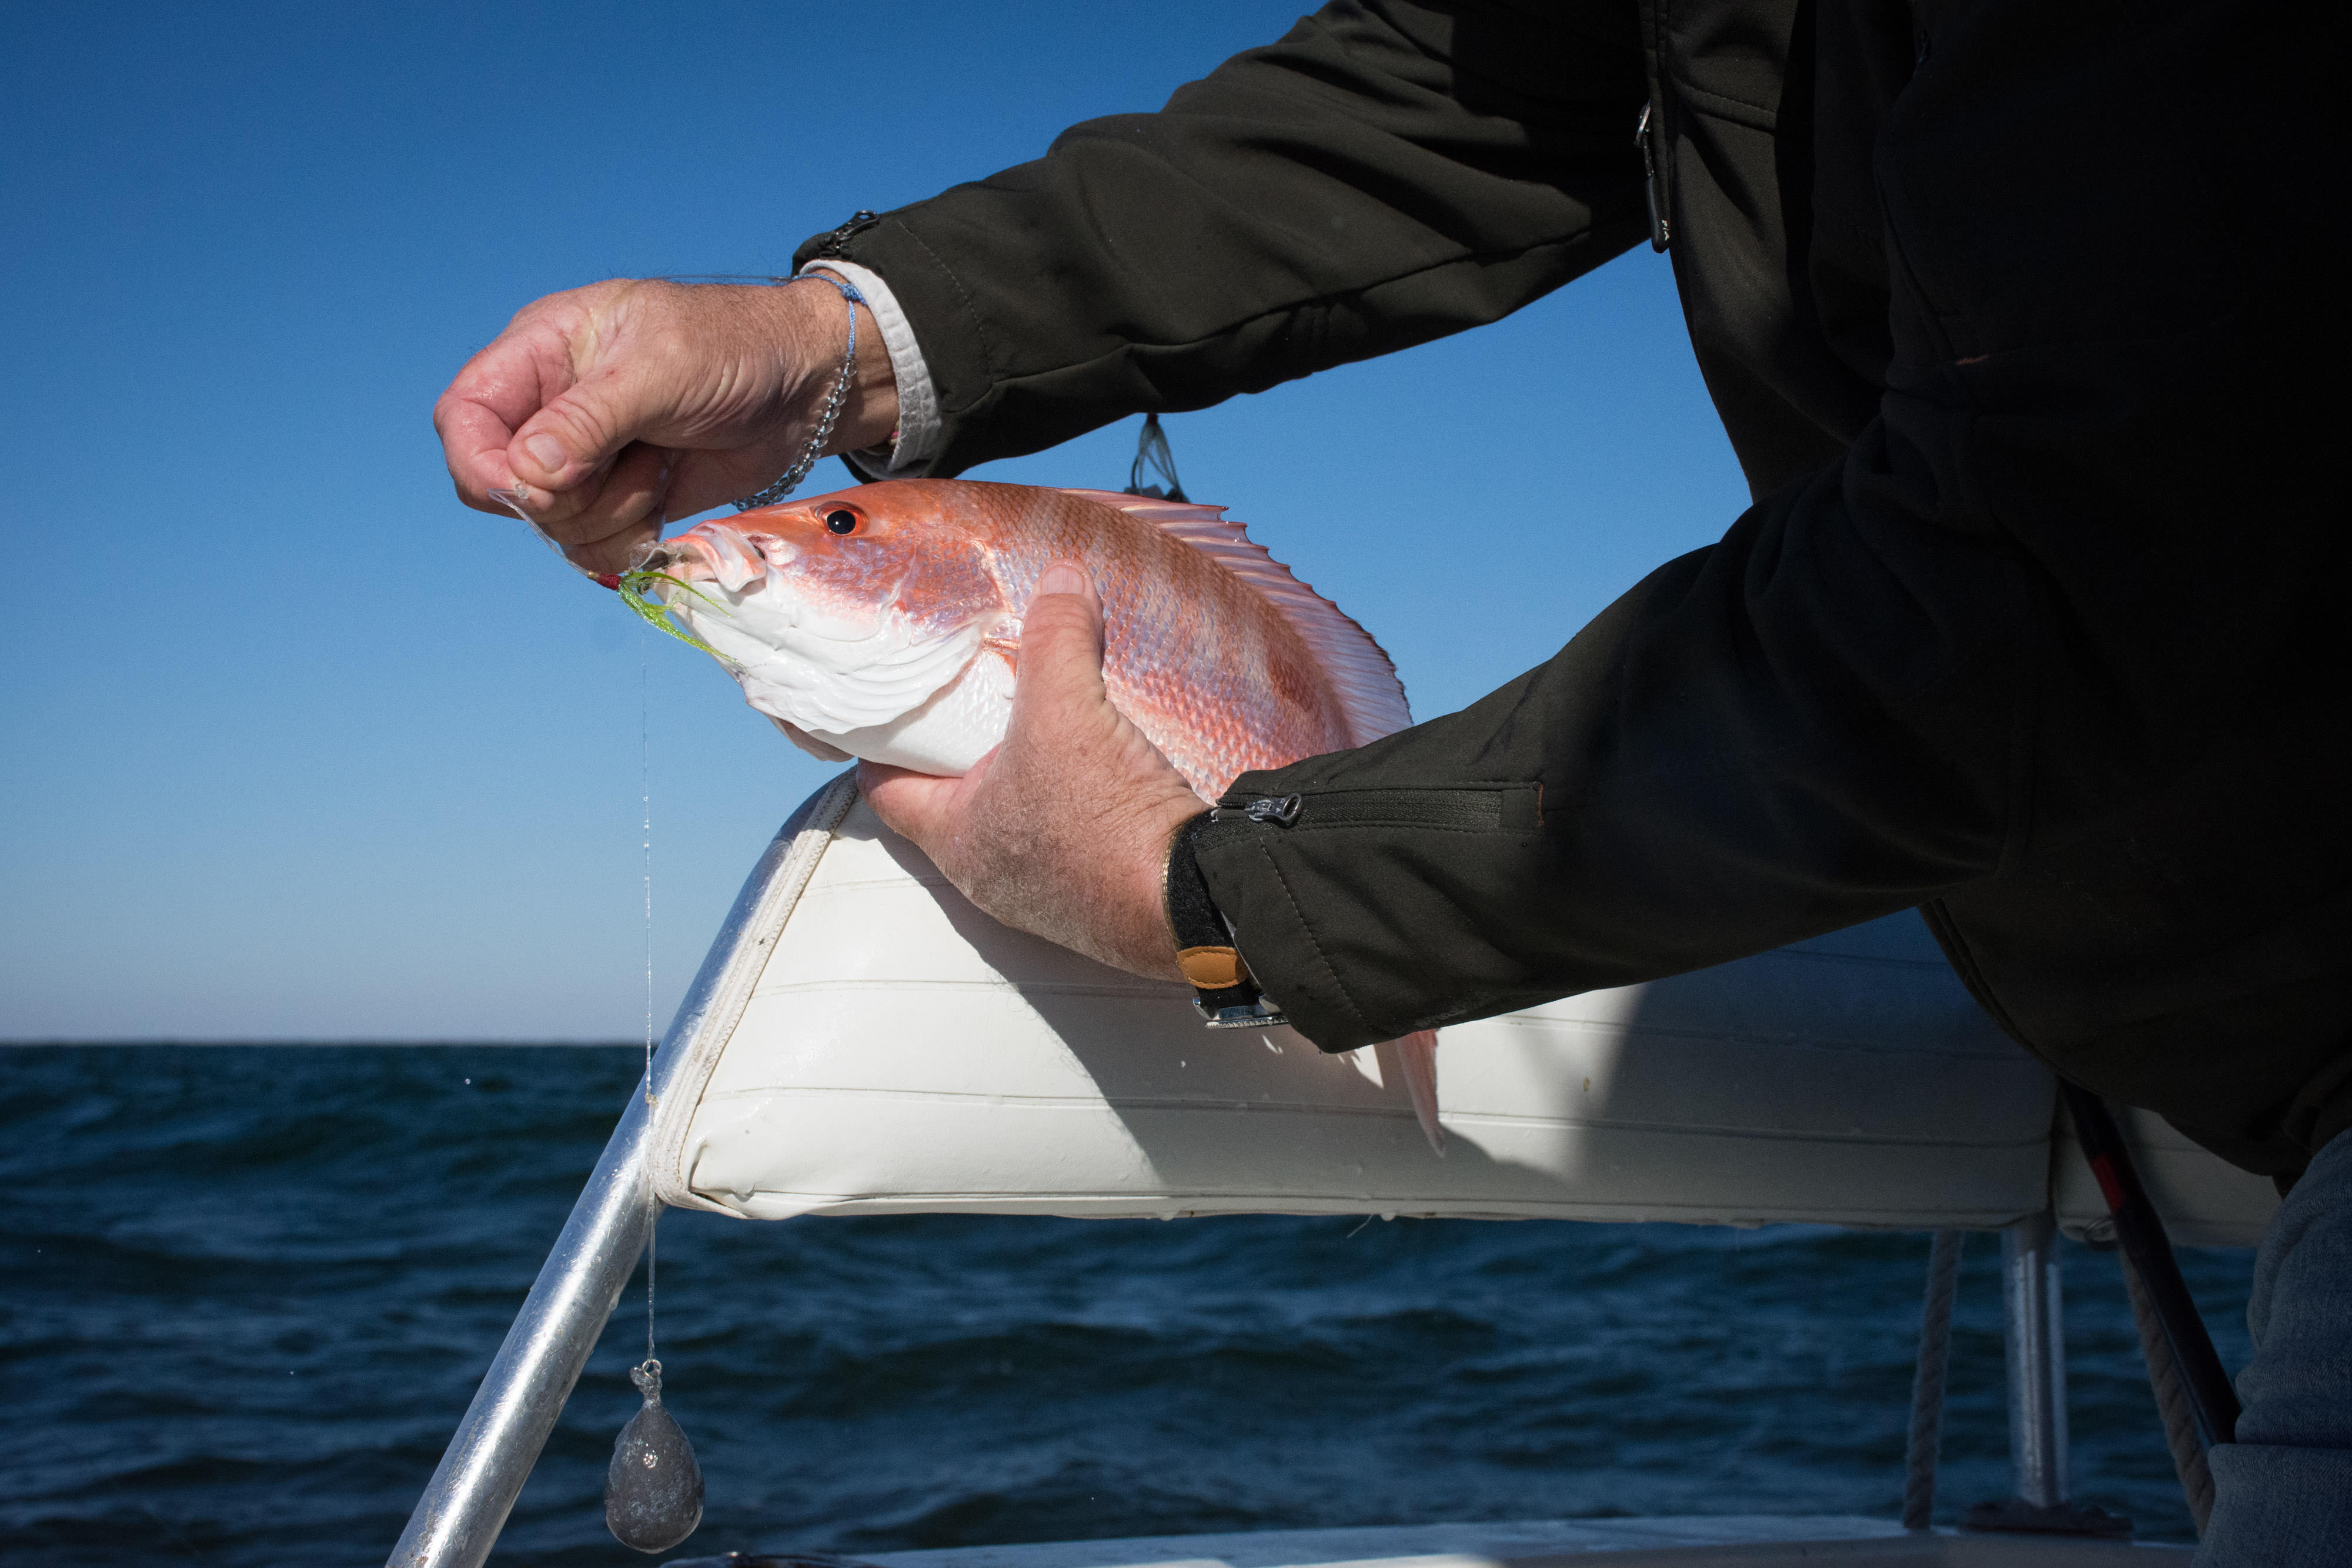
column 1225, row 993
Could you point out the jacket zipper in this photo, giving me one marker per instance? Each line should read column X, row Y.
column 1647, row 132
column 1279, row 808
column 1476, row 810
column 831, row 249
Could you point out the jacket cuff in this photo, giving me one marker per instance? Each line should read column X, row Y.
column 1370, row 899
column 941, row 329
column 908, row 453
column 1238, row 860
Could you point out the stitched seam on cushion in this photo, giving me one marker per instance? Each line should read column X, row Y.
column 1337, row 985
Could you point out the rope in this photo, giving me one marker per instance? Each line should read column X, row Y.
column 2172, row 1401
column 1927, row 1439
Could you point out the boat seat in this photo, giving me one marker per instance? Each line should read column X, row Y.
column 871, row 1043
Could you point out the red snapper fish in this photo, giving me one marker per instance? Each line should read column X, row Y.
column 885, row 622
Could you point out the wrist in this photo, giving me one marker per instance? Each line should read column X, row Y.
column 1145, row 944
column 813, row 333
column 1128, row 922
column 872, row 412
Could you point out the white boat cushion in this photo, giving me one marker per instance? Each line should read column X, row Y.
column 873, row 1044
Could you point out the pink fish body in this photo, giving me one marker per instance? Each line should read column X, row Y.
column 885, row 622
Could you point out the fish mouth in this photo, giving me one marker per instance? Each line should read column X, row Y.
column 676, row 557
column 711, row 553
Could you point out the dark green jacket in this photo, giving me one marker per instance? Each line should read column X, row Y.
column 2026, row 323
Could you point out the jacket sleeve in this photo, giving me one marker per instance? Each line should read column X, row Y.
column 1387, row 174
column 2055, row 646
column 1786, row 732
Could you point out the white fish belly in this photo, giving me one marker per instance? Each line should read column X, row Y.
column 959, row 723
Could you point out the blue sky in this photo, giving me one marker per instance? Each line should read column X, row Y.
column 299, row 748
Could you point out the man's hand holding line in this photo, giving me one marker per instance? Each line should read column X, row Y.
column 617, row 402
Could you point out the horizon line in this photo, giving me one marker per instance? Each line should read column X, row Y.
column 212, row 1041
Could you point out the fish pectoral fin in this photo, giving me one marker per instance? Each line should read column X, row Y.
column 807, row 742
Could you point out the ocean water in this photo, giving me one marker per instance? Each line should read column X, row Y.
column 249, row 1290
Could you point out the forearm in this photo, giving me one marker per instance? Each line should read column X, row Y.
column 1382, row 176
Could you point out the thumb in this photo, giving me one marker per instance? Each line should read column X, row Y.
column 914, row 806
column 575, row 435
column 1061, row 642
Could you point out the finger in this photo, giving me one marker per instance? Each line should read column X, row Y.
column 697, row 481
column 616, row 552
column 571, row 440
column 617, row 512
column 707, row 479
column 475, row 431
column 920, row 807
column 1067, row 577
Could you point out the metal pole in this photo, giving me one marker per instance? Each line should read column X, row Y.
column 458, row 1518
column 2036, row 1342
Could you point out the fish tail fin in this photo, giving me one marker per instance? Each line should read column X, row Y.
column 1417, row 1055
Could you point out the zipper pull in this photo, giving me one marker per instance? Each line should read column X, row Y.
column 1650, row 183
column 1280, row 808
column 831, row 248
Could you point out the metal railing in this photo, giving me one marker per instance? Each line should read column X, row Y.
column 457, row 1520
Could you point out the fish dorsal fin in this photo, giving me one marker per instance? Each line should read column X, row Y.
column 1365, row 681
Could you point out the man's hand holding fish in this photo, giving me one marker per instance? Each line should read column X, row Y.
column 1063, row 829
column 1044, row 685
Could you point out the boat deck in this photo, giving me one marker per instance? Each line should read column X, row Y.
column 1730, row 1541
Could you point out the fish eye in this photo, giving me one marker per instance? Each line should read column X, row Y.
column 841, row 520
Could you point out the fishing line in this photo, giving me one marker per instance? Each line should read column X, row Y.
column 512, row 500
column 653, row 1487
column 645, row 800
